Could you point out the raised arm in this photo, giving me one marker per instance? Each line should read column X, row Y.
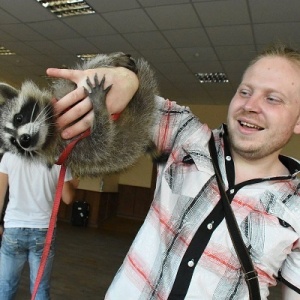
column 125, row 84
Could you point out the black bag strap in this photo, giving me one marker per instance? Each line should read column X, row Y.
column 250, row 274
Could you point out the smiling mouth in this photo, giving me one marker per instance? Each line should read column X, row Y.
column 249, row 125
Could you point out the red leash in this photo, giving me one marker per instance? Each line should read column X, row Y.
column 55, row 208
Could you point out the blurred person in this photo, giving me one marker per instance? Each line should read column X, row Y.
column 32, row 187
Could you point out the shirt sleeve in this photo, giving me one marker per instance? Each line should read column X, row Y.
column 3, row 163
column 290, row 271
column 68, row 175
column 171, row 122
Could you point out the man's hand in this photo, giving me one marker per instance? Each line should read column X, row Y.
column 125, row 84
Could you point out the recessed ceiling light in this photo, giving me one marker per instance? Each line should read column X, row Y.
column 67, row 8
column 217, row 77
column 4, row 51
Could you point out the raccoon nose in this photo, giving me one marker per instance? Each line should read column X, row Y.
column 25, row 140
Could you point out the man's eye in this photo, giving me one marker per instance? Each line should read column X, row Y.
column 244, row 93
column 18, row 118
column 273, row 99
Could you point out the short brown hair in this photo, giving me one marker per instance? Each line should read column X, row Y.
column 281, row 50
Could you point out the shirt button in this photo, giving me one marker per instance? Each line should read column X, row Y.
column 210, row 225
column 228, row 158
column 231, row 191
column 191, row 263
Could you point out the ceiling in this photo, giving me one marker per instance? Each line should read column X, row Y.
column 177, row 37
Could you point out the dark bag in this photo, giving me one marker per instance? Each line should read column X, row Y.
column 80, row 213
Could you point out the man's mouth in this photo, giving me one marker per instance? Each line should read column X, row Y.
column 249, row 125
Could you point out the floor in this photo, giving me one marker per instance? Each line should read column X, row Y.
column 87, row 259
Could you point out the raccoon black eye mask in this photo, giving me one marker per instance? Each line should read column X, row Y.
column 27, row 121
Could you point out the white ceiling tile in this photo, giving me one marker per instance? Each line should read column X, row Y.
column 205, row 66
column 243, row 52
column 273, row 11
column 20, row 47
column 147, row 3
column 6, row 37
column 73, row 46
column 284, row 32
column 160, row 55
column 46, row 47
column 27, row 11
column 54, row 29
column 235, row 67
column 230, row 35
column 180, row 16
column 135, row 20
column 174, row 70
column 109, row 5
column 22, row 32
column 228, row 12
column 110, row 43
column 147, row 40
column 182, row 38
column 6, row 18
column 89, row 25
column 196, row 54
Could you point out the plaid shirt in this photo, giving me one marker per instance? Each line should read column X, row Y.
column 187, row 204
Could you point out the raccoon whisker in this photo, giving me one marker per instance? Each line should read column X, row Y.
column 31, row 117
column 44, row 112
column 43, row 122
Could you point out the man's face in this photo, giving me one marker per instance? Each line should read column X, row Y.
column 264, row 112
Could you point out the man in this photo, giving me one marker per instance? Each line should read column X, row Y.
column 32, row 187
column 260, row 183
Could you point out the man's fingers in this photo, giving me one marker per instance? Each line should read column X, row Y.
column 69, row 100
column 72, row 114
column 79, row 127
column 69, row 74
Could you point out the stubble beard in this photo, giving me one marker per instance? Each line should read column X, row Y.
column 256, row 151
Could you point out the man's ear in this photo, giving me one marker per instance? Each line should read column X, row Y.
column 297, row 127
column 7, row 92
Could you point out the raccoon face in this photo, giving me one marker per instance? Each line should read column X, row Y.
column 27, row 128
column 26, row 121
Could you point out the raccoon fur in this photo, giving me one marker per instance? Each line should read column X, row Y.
column 27, row 124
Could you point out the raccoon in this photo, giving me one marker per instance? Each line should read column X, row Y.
column 27, row 124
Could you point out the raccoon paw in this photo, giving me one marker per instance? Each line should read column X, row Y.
column 126, row 61
column 97, row 93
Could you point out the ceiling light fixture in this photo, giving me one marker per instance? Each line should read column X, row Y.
column 217, row 77
column 86, row 56
column 4, row 51
column 67, row 8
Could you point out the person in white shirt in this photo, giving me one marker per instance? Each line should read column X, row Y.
column 32, row 187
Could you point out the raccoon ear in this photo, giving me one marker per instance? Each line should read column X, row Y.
column 7, row 92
